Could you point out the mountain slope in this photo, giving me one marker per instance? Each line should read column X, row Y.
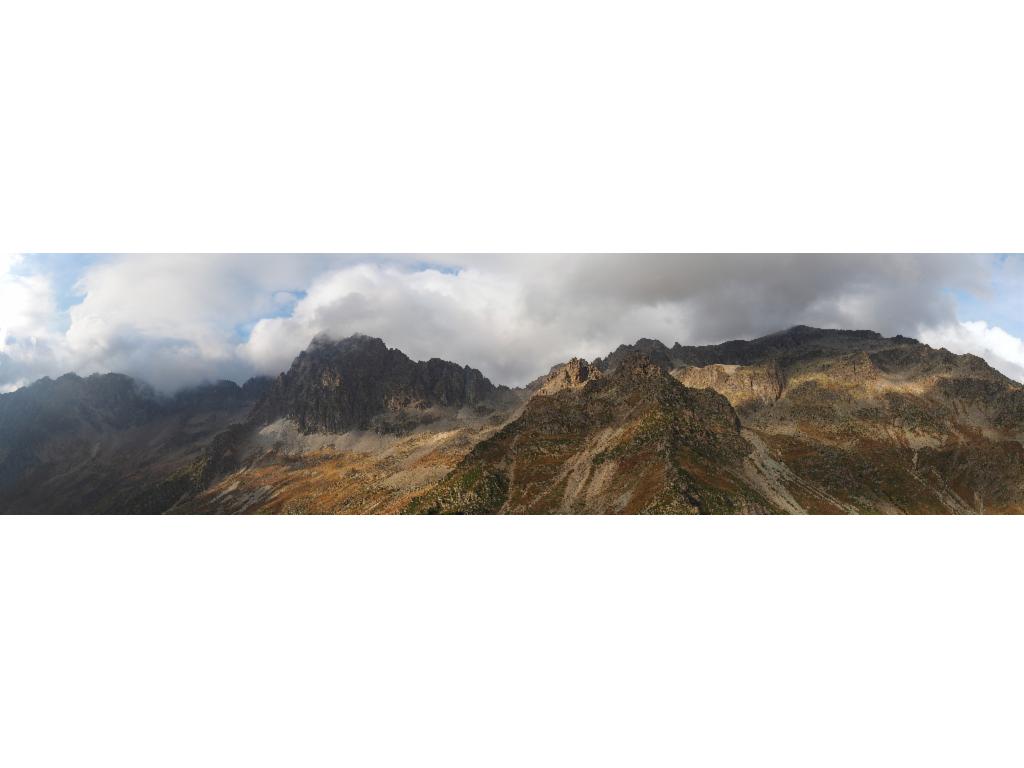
column 634, row 441
column 352, row 426
column 831, row 422
column 76, row 445
column 868, row 424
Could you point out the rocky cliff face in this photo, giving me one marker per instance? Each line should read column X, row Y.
column 745, row 386
column 358, row 383
column 573, row 375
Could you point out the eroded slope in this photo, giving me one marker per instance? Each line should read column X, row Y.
column 632, row 441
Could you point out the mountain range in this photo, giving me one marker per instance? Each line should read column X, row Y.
column 802, row 421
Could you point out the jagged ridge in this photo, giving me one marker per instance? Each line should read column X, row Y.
column 336, row 386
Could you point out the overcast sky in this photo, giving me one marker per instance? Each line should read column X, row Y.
column 176, row 320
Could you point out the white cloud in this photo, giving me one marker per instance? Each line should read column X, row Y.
column 28, row 325
column 27, row 308
column 514, row 317
column 470, row 316
column 176, row 320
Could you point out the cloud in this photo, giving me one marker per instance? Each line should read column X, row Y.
column 516, row 316
column 29, row 320
column 176, row 320
column 470, row 316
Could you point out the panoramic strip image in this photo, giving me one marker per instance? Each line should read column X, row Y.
column 512, row 384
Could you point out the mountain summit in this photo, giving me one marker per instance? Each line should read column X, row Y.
column 358, row 383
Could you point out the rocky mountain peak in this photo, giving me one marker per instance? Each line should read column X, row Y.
column 638, row 366
column 652, row 349
column 338, row 385
column 573, row 375
column 356, row 343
